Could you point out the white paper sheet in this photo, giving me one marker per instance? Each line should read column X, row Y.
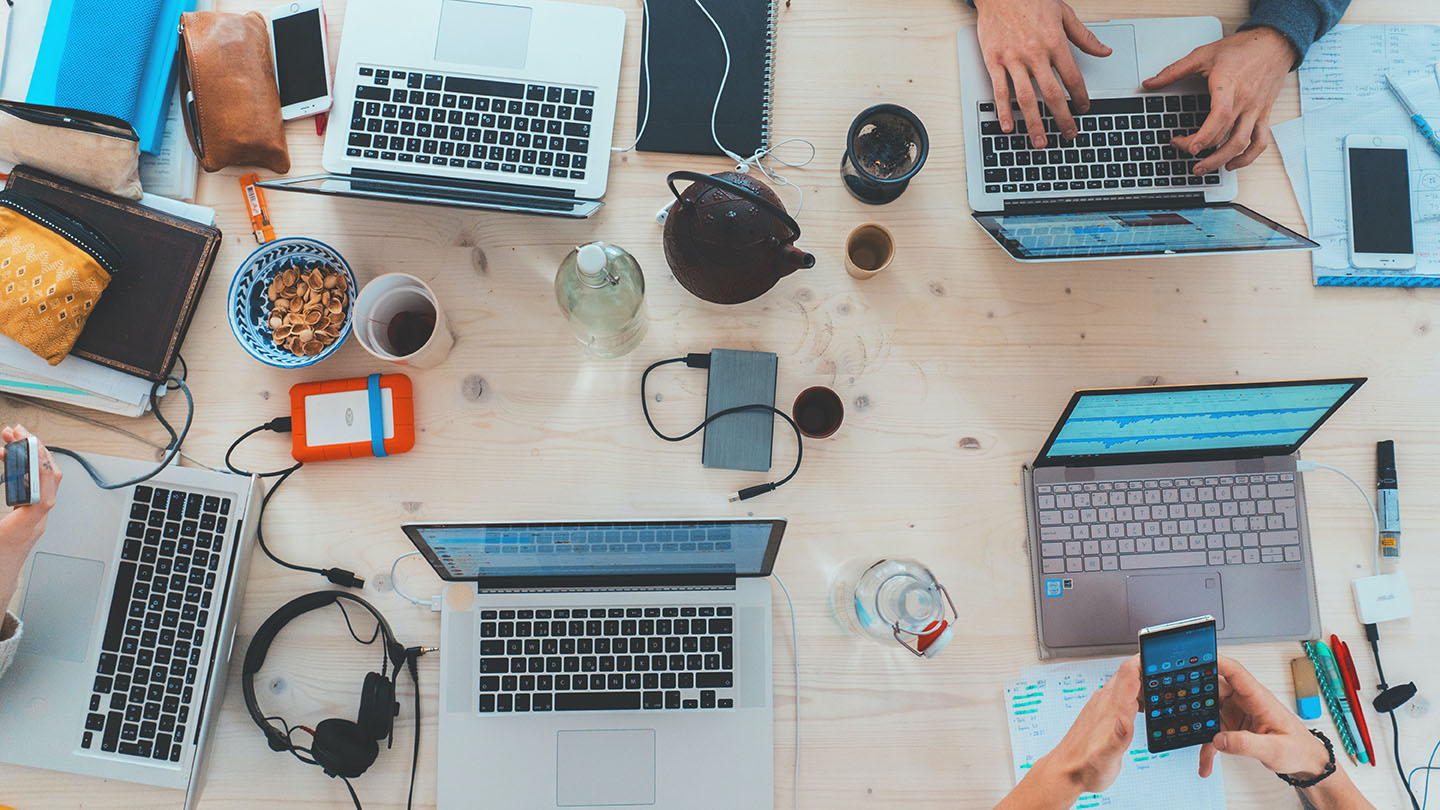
column 1290, row 141
column 1046, row 699
column 27, row 25
column 1351, row 62
column 1379, row 114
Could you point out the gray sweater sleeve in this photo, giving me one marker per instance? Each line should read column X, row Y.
column 9, row 640
column 1300, row 21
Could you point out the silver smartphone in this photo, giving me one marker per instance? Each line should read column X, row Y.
column 22, row 472
column 1377, row 196
column 1179, row 687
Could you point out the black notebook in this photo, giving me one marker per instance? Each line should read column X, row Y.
column 687, row 63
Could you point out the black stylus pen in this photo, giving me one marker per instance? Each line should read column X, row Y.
column 1387, row 493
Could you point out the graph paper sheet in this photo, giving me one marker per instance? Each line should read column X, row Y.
column 1042, row 704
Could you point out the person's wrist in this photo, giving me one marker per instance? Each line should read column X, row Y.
column 1314, row 755
column 1058, row 776
column 1279, row 45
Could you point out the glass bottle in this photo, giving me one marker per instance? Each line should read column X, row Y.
column 601, row 290
column 894, row 600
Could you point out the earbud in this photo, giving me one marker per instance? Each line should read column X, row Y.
column 664, row 213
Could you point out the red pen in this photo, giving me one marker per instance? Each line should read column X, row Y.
column 1352, row 691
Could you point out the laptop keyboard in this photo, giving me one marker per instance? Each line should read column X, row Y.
column 1168, row 523
column 592, row 659
column 150, row 655
column 1123, row 143
column 459, row 122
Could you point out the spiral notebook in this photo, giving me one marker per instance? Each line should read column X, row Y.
column 687, row 64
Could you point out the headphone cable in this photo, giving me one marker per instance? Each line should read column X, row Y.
column 171, row 450
column 702, row 360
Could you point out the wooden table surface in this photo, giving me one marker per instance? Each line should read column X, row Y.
column 953, row 366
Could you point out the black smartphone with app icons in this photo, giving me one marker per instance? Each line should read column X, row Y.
column 1179, row 687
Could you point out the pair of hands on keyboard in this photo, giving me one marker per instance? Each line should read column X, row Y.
column 1026, row 42
column 23, row 526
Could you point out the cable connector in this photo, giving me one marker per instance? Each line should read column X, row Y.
column 698, row 360
column 343, row 578
column 280, row 424
column 751, row 492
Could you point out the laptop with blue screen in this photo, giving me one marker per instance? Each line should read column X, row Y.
column 605, row 663
column 1119, row 188
column 1148, row 505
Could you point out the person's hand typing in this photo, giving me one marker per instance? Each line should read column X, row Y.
column 1245, row 71
column 1028, row 42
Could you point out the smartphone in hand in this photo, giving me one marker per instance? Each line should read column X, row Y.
column 1179, row 688
column 22, row 472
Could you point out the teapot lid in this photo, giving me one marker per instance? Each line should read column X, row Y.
column 739, row 191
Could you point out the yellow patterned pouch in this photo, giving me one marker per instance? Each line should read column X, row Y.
column 52, row 271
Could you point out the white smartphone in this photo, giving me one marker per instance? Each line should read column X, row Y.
column 302, row 58
column 1377, row 198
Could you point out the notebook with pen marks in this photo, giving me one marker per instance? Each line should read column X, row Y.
column 686, row 62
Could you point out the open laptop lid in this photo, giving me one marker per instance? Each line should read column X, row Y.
column 591, row 554
column 1098, row 232
column 451, row 194
column 1192, row 422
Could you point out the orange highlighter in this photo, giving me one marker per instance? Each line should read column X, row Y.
column 1352, row 691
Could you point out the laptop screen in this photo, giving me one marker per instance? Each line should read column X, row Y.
column 490, row 552
column 1142, row 232
column 1193, row 421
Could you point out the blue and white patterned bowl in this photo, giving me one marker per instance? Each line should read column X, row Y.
column 249, row 310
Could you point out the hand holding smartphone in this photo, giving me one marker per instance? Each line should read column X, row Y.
column 1179, row 686
column 302, row 59
column 22, row 472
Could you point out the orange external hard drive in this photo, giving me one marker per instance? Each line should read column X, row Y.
column 363, row 416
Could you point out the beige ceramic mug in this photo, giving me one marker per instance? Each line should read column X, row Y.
column 868, row 249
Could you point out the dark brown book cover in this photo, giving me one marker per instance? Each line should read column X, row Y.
column 143, row 315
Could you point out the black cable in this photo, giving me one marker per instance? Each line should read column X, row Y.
column 172, row 449
column 411, row 656
column 1372, row 632
column 338, row 576
column 353, row 797
column 703, row 361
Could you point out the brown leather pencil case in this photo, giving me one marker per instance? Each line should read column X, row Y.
column 227, row 84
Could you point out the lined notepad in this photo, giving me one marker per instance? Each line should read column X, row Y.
column 1042, row 704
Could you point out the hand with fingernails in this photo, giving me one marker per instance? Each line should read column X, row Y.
column 1027, row 42
column 22, row 527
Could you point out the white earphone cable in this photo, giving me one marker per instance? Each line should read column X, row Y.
column 742, row 164
column 395, row 583
column 795, row 639
column 1302, row 466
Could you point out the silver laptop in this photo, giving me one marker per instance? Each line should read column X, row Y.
column 1148, row 505
column 129, row 607
column 1118, row 189
column 505, row 106
column 605, row 664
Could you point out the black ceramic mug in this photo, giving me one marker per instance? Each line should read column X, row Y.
column 886, row 147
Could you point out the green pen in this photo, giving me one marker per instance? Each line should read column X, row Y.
column 1334, row 685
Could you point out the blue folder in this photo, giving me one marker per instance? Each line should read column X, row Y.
column 115, row 57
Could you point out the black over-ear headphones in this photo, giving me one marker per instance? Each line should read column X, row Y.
column 340, row 747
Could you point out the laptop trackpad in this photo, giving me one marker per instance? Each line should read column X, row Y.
column 598, row 768
column 491, row 34
column 1159, row 598
column 59, row 608
column 1118, row 71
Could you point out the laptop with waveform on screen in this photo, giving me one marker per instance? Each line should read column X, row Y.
column 1148, row 505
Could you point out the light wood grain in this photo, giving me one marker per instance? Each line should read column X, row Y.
column 953, row 365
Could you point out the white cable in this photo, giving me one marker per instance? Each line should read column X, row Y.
column 1302, row 466
column 795, row 638
column 645, row 60
column 395, row 583
column 743, row 165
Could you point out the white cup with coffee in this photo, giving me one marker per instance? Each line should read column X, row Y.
column 398, row 318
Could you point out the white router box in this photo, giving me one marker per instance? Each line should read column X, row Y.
column 1382, row 598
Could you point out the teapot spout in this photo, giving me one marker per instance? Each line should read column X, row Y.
column 793, row 258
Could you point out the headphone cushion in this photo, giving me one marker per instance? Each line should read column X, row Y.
column 377, row 706
column 342, row 748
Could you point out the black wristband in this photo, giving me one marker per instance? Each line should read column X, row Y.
column 1329, row 766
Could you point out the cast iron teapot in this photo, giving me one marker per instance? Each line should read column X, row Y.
column 728, row 238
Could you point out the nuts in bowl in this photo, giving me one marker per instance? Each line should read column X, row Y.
column 307, row 308
column 291, row 302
